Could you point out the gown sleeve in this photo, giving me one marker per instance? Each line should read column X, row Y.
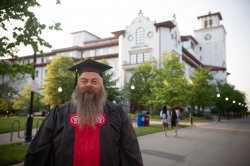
column 39, row 150
column 130, row 150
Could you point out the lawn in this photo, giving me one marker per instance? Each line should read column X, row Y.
column 6, row 123
column 12, row 153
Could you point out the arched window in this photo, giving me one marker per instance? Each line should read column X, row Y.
column 139, row 35
column 210, row 22
column 205, row 24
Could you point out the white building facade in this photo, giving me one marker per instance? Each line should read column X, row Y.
column 144, row 40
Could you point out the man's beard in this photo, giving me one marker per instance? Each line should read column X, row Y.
column 88, row 105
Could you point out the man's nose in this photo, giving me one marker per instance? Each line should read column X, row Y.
column 89, row 84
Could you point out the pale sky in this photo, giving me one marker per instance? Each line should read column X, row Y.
column 101, row 17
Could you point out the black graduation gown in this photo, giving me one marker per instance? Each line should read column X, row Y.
column 53, row 144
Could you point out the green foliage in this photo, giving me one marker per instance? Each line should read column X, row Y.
column 22, row 102
column 141, row 92
column 202, row 92
column 12, row 69
column 169, row 86
column 19, row 27
column 6, row 96
column 140, row 131
column 57, row 76
column 12, row 153
column 27, row 30
column 236, row 102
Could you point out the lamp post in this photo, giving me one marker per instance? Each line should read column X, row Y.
column 132, row 87
column 228, row 115
column 60, row 91
column 8, row 110
column 28, row 129
column 218, row 96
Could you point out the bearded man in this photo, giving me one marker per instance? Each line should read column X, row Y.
column 88, row 130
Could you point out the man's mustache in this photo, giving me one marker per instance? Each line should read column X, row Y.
column 87, row 90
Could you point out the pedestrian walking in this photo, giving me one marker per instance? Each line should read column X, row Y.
column 190, row 115
column 165, row 116
column 175, row 118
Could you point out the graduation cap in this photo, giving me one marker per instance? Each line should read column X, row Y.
column 89, row 65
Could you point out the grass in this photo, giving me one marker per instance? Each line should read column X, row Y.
column 6, row 123
column 12, row 153
column 140, row 131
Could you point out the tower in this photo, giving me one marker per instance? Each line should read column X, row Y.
column 212, row 41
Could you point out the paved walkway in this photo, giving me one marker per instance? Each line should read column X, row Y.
column 6, row 137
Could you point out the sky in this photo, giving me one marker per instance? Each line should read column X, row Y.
column 101, row 17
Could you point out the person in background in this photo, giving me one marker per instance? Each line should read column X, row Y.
column 190, row 115
column 88, row 130
column 175, row 119
column 165, row 116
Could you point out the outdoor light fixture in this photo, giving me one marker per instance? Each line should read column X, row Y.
column 59, row 89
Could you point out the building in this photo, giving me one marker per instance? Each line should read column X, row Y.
column 145, row 40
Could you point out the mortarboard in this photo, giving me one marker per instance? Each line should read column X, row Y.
column 89, row 65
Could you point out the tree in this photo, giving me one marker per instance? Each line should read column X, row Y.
column 169, row 84
column 20, row 27
column 22, row 102
column 139, row 86
column 9, row 72
column 27, row 30
column 230, row 100
column 58, row 76
column 202, row 92
column 6, row 95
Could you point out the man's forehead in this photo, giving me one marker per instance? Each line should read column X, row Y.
column 90, row 75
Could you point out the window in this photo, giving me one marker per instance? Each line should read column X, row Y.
column 205, row 24
column 36, row 73
column 133, row 59
column 105, row 51
column 210, row 22
column 192, row 45
column 146, row 56
column 86, row 54
column 140, row 36
column 139, row 57
column 98, row 52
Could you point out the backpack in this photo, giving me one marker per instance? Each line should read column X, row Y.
column 174, row 116
column 164, row 116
